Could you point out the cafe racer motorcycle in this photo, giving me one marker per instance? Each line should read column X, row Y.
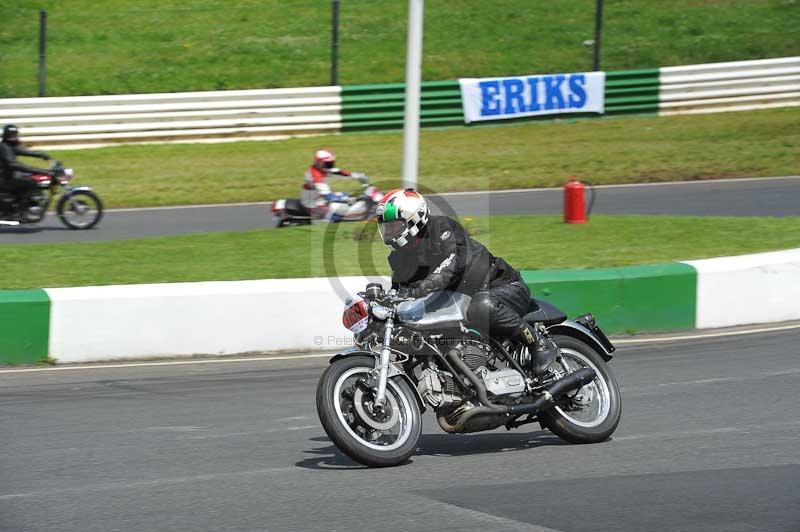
column 411, row 355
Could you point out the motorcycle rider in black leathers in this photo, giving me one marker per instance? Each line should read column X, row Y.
column 14, row 175
column 434, row 253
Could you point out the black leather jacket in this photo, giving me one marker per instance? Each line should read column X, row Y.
column 9, row 163
column 444, row 257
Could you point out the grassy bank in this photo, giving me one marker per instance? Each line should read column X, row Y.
column 613, row 150
column 527, row 242
column 123, row 46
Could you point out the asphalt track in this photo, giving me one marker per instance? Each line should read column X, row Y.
column 708, row 442
column 735, row 197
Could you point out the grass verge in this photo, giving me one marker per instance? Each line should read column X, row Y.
column 613, row 150
column 606, row 241
column 171, row 45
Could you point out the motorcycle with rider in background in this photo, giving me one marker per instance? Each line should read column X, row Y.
column 319, row 202
column 26, row 192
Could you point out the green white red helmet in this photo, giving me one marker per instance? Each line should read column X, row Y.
column 401, row 215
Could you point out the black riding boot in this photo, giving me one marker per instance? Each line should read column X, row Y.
column 543, row 350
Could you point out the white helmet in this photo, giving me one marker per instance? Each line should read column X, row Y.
column 324, row 158
column 401, row 214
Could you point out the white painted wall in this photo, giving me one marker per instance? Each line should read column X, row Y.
column 759, row 288
column 181, row 319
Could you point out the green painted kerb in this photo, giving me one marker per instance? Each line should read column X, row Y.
column 657, row 297
column 24, row 326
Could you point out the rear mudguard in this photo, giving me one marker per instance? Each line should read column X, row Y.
column 393, row 372
column 579, row 332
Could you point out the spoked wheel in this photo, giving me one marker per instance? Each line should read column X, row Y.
column 369, row 435
column 590, row 414
column 81, row 209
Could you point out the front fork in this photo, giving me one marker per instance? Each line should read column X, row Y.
column 382, row 363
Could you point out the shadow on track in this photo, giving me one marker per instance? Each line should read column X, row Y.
column 440, row 445
column 31, row 229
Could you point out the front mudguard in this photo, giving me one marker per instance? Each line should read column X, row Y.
column 582, row 333
column 394, row 372
column 69, row 192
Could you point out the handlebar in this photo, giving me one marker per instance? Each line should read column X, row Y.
column 361, row 177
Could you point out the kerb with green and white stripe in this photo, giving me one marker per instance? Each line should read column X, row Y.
column 85, row 324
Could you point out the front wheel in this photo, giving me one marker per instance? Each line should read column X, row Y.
column 345, row 405
column 592, row 413
column 81, row 209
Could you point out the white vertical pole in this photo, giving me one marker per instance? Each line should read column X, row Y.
column 413, row 79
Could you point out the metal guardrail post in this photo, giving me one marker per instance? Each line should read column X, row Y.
column 335, row 44
column 598, row 31
column 42, row 51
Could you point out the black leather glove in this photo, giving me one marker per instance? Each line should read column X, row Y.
column 405, row 292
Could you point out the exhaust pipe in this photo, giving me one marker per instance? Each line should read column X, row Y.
column 549, row 396
column 552, row 393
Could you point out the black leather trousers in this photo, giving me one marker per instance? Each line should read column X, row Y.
column 498, row 310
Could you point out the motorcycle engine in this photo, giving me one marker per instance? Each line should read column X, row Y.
column 438, row 388
column 505, row 381
column 35, row 210
column 499, row 381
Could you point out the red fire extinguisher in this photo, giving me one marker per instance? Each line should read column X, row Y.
column 575, row 211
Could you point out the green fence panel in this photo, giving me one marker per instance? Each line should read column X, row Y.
column 638, row 298
column 24, row 326
column 632, row 91
column 381, row 106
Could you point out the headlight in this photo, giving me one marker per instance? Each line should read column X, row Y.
column 380, row 312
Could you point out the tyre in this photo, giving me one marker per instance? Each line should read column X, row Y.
column 81, row 209
column 592, row 413
column 345, row 409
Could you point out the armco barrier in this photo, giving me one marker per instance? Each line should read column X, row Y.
column 735, row 86
column 268, row 114
column 632, row 92
column 381, row 106
column 86, row 121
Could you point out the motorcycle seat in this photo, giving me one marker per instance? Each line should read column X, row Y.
column 296, row 208
column 543, row 312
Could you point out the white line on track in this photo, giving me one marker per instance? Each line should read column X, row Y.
column 784, row 425
column 477, row 192
column 169, row 363
column 620, row 341
column 654, row 340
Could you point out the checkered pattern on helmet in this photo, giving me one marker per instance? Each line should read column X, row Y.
column 415, row 227
column 414, row 223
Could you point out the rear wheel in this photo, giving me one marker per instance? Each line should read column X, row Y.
column 81, row 209
column 345, row 405
column 590, row 414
